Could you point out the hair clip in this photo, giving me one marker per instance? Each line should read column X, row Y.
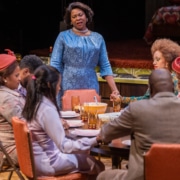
column 33, row 77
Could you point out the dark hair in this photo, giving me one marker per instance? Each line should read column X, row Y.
column 160, row 80
column 43, row 83
column 7, row 72
column 85, row 8
column 31, row 62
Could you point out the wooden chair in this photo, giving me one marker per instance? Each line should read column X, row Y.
column 86, row 95
column 162, row 161
column 7, row 165
column 26, row 157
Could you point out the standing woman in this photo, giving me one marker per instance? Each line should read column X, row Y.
column 78, row 51
column 11, row 102
column 54, row 153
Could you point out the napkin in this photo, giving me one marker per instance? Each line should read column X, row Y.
column 86, row 132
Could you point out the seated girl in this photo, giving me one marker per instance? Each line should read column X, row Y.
column 54, row 152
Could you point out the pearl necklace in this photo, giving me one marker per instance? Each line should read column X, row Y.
column 80, row 31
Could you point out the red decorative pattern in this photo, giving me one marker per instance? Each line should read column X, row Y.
column 141, row 64
column 133, row 53
column 169, row 15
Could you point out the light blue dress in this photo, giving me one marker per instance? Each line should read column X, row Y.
column 76, row 58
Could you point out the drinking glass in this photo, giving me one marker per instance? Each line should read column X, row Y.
column 75, row 103
column 93, row 121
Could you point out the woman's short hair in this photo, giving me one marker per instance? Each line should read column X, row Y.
column 85, row 8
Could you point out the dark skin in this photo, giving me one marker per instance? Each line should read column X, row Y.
column 160, row 80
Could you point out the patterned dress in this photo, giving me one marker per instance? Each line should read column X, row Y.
column 11, row 104
column 76, row 58
column 127, row 100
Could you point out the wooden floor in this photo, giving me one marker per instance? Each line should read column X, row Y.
column 105, row 160
column 4, row 176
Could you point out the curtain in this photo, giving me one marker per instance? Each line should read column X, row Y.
column 151, row 6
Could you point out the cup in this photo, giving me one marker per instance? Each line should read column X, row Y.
column 92, row 121
column 75, row 103
column 84, row 114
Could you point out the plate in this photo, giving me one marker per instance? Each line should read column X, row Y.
column 69, row 114
column 127, row 142
column 86, row 132
column 75, row 123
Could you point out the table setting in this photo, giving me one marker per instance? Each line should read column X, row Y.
column 79, row 125
column 97, row 115
column 91, row 125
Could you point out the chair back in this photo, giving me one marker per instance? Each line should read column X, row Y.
column 86, row 95
column 26, row 157
column 162, row 161
column 24, row 147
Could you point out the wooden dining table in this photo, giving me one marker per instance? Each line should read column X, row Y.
column 115, row 149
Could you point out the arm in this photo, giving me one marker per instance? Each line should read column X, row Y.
column 12, row 106
column 105, row 68
column 127, row 100
column 119, row 127
column 57, row 53
column 175, row 81
column 112, row 85
column 54, row 129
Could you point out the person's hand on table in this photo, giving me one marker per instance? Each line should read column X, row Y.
column 99, row 139
column 65, row 124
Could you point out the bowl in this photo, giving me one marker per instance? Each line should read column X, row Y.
column 95, row 108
